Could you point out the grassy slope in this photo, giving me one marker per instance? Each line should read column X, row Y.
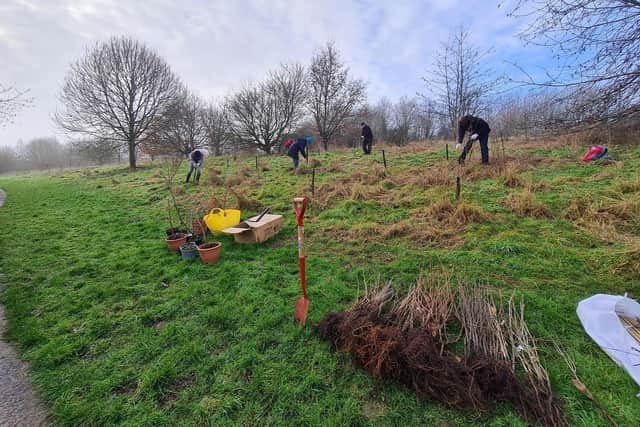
column 83, row 259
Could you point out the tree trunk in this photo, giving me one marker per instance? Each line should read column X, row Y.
column 325, row 144
column 132, row 155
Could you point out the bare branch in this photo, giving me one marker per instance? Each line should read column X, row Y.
column 600, row 40
column 12, row 101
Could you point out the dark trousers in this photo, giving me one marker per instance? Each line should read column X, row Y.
column 484, row 149
column 194, row 166
column 366, row 146
column 296, row 161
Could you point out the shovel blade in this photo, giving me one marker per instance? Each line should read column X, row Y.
column 302, row 307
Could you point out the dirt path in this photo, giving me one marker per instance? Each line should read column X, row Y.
column 19, row 405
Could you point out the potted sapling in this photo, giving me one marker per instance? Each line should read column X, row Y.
column 175, row 236
column 189, row 250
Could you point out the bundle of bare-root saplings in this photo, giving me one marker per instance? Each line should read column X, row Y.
column 414, row 339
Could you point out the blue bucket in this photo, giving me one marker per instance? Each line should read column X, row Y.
column 188, row 253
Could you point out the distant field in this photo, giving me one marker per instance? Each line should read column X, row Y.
column 84, row 258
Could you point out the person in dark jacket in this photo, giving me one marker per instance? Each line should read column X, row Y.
column 299, row 147
column 367, row 138
column 479, row 130
column 196, row 158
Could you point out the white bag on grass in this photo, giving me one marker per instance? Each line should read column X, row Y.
column 600, row 320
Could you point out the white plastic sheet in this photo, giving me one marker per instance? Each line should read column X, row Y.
column 600, row 320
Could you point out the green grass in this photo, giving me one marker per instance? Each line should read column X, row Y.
column 83, row 262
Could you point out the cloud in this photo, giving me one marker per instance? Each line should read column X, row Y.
column 216, row 46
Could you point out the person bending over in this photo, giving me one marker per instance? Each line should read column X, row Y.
column 479, row 130
column 196, row 158
column 299, row 147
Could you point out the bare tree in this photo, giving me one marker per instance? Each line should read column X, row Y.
column 380, row 118
column 95, row 150
column 458, row 80
column 261, row 114
column 600, row 43
column 8, row 159
column 216, row 128
column 405, row 115
column 426, row 120
column 334, row 96
column 45, row 153
column 116, row 92
column 180, row 128
column 12, row 101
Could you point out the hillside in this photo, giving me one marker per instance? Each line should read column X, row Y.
column 119, row 330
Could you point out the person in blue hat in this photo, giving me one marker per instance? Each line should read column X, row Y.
column 299, row 147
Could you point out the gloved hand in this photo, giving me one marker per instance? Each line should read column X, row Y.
column 474, row 136
column 458, row 145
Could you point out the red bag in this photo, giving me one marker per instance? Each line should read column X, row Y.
column 594, row 153
column 288, row 144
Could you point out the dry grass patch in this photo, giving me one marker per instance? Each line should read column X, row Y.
column 214, row 180
column 628, row 261
column 510, row 175
column 303, row 170
column 576, row 209
column 356, row 186
column 626, row 187
column 441, row 223
column 315, row 163
column 610, row 223
column 611, row 212
column 431, row 176
column 525, row 204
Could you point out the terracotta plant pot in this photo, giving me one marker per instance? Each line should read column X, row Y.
column 198, row 227
column 176, row 240
column 176, row 230
column 210, row 252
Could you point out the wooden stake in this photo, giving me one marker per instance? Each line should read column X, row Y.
column 457, row 188
column 384, row 159
column 313, row 182
column 446, row 151
column 256, row 162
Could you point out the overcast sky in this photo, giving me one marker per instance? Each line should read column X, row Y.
column 214, row 46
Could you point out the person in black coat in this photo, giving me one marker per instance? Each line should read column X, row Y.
column 196, row 158
column 367, row 138
column 298, row 147
column 479, row 130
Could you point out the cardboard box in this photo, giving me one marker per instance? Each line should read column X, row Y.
column 256, row 232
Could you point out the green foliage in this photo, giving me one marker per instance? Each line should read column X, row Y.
column 84, row 261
